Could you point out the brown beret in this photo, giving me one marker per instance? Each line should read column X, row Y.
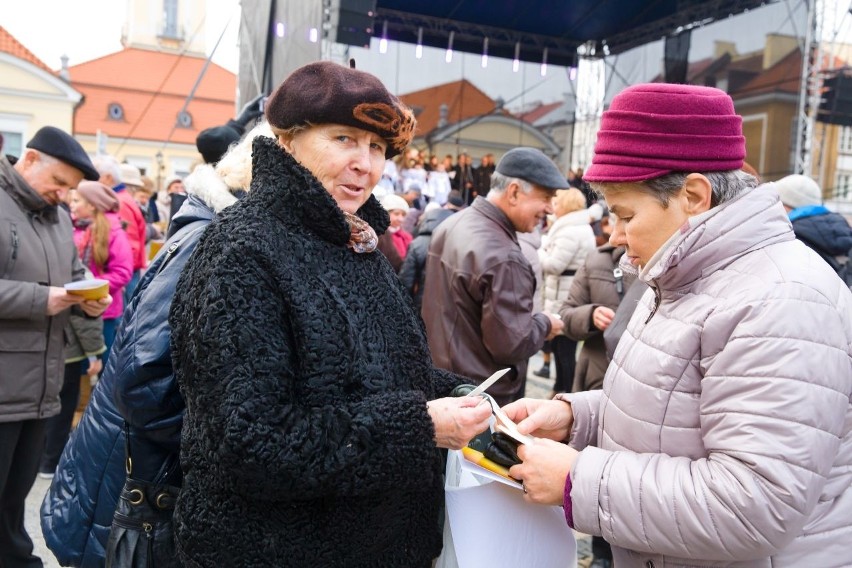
column 327, row 93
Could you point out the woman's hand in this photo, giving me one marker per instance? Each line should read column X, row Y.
column 542, row 418
column 545, row 466
column 458, row 419
column 602, row 317
column 95, row 367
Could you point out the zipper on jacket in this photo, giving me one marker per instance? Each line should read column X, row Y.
column 658, row 297
column 13, row 256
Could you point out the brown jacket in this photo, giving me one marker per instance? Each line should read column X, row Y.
column 36, row 251
column 478, row 299
column 594, row 285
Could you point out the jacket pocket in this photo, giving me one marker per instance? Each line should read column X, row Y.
column 22, row 341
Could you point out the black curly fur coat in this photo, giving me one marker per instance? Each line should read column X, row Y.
column 306, row 372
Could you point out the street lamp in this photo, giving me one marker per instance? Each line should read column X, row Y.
column 159, row 157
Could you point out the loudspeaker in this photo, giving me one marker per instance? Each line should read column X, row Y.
column 836, row 104
column 353, row 21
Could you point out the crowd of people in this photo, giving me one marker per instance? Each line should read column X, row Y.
column 286, row 370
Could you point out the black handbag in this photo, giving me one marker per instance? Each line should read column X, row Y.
column 141, row 535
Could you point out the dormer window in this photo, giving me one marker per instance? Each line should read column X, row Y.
column 115, row 111
column 170, row 18
column 184, row 119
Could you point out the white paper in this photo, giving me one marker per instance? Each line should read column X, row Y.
column 492, row 526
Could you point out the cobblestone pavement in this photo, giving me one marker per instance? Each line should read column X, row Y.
column 536, row 388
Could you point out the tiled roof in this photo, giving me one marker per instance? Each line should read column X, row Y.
column 8, row 44
column 463, row 99
column 152, row 95
column 784, row 76
column 538, row 112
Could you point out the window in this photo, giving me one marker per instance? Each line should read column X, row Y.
column 846, row 139
column 13, row 143
column 15, row 130
column 843, row 185
column 184, row 119
column 170, row 23
column 115, row 111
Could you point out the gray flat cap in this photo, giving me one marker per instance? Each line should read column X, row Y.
column 531, row 165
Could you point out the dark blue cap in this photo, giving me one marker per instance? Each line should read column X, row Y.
column 532, row 166
column 62, row 146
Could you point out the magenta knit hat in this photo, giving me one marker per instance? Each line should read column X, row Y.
column 657, row 128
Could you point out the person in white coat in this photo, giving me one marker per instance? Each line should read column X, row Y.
column 567, row 243
column 722, row 436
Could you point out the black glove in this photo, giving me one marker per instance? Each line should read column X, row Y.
column 462, row 390
column 251, row 111
column 502, row 450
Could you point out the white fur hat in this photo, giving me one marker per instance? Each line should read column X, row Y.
column 798, row 190
column 393, row 202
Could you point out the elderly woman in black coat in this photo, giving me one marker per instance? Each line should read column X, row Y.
column 314, row 416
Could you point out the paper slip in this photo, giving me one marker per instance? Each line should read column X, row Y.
column 504, row 424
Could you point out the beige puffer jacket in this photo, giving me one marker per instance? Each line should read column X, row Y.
column 723, row 427
column 564, row 249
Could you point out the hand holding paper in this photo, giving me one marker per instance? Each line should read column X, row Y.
column 457, row 420
column 550, row 419
column 543, row 470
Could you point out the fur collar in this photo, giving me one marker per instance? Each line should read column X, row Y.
column 206, row 184
column 292, row 193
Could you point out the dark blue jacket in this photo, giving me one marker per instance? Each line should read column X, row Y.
column 412, row 274
column 78, row 508
column 825, row 232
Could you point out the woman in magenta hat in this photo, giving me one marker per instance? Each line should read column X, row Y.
column 722, row 435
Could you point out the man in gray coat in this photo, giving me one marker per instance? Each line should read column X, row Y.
column 478, row 294
column 37, row 257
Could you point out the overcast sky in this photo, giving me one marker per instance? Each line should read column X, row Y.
column 86, row 29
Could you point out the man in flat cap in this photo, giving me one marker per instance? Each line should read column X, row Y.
column 478, row 297
column 37, row 257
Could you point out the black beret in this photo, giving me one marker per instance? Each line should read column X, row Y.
column 62, row 146
column 532, row 166
column 214, row 142
column 327, row 93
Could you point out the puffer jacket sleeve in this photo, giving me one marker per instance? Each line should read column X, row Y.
column 146, row 392
column 773, row 401
column 584, row 406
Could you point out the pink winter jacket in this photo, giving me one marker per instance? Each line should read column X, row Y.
column 722, row 434
column 119, row 266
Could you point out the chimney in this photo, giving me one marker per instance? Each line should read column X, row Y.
column 63, row 71
column 443, row 112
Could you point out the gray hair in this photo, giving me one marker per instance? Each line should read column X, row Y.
column 499, row 183
column 107, row 165
column 726, row 185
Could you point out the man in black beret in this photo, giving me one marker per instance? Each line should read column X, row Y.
column 478, row 296
column 38, row 258
column 212, row 143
